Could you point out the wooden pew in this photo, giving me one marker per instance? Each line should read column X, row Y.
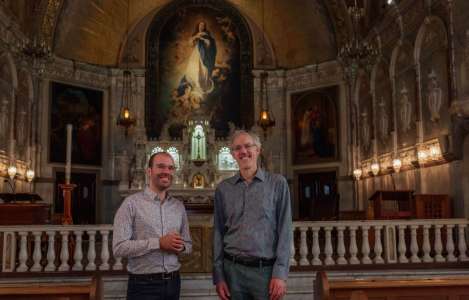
column 449, row 288
column 50, row 291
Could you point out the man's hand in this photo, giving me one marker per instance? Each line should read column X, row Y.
column 223, row 291
column 277, row 288
column 172, row 242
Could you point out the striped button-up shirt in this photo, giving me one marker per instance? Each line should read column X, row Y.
column 253, row 220
column 138, row 225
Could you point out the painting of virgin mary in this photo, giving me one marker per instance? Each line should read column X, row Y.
column 199, row 67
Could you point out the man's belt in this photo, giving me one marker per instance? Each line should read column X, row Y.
column 250, row 261
column 155, row 276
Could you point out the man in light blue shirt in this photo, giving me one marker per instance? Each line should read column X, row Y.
column 151, row 230
column 252, row 228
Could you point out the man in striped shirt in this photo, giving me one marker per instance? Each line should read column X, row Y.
column 151, row 229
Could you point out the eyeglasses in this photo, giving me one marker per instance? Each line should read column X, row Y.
column 238, row 148
column 163, row 166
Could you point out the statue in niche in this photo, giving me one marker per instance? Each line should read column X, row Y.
column 434, row 96
column 21, row 128
column 405, row 110
column 198, row 181
column 383, row 121
column 366, row 132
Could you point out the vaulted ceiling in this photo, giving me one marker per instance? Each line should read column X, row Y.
column 301, row 32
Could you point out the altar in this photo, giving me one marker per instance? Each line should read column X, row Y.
column 202, row 160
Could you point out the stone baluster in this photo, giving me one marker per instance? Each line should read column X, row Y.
column 104, row 250
column 292, row 251
column 450, row 243
column 23, row 256
column 37, row 252
column 462, row 243
column 438, row 244
column 78, row 255
column 365, row 245
column 303, row 247
column 378, row 247
column 91, row 251
column 353, row 246
column 9, row 252
column 64, row 254
column 340, row 246
column 328, row 247
column 118, row 263
column 402, row 248
column 50, row 251
column 414, row 246
column 315, row 250
column 426, row 244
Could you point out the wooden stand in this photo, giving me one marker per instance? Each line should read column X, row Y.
column 67, row 193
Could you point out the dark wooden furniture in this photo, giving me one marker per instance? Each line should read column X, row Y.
column 446, row 288
column 50, row 291
column 431, row 206
column 24, row 213
column 392, row 205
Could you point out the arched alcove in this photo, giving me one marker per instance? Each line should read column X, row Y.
column 199, row 61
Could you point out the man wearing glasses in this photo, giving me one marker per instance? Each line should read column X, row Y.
column 252, row 228
column 151, row 230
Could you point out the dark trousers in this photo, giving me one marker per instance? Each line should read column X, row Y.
column 247, row 283
column 147, row 287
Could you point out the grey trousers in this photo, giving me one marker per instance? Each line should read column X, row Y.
column 247, row 283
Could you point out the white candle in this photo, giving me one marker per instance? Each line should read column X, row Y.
column 68, row 165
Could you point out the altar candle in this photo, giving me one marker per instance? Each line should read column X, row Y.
column 68, row 165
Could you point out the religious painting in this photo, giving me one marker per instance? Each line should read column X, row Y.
column 195, row 71
column 315, row 124
column 81, row 107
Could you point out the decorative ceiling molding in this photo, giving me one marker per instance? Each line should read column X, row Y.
column 49, row 22
column 340, row 20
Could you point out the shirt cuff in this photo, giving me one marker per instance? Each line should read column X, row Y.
column 280, row 272
column 153, row 243
column 218, row 276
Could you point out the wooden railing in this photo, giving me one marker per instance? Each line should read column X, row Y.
column 51, row 248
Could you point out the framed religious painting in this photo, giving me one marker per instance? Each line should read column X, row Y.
column 83, row 108
column 199, row 68
column 315, row 126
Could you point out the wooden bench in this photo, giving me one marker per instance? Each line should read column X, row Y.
column 50, row 291
column 449, row 288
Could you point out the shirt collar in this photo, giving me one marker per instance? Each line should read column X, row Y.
column 153, row 196
column 260, row 174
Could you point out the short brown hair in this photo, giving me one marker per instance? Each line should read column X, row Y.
column 150, row 160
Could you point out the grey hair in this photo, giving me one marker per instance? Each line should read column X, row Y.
column 255, row 137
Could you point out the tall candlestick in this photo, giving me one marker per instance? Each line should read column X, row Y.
column 68, row 165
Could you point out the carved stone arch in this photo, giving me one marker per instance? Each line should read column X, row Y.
column 432, row 57
column 365, row 115
column 423, row 30
column 404, row 84
column 381, row 88
column 155, row 118
column 23, row 113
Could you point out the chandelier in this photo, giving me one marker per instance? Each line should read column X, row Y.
column 37, row 52
column 266, row 118
column 356, row 52
column 126, row 118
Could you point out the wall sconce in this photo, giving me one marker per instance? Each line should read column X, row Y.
column 375, row 168
column 11, row 171
column 357, row 173
column 396, row 165
column 29, row 175
column 422, row 156
column 434, row 152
